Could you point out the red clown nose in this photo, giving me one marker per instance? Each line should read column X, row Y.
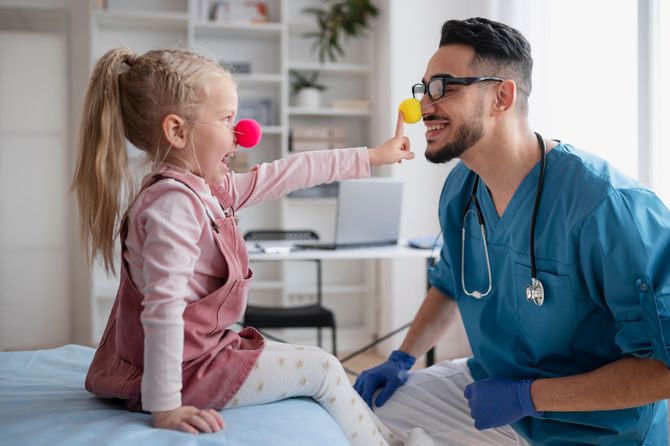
column 249, row 133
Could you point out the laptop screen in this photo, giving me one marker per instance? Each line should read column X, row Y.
column 368, row 211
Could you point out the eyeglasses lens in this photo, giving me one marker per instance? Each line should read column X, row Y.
column 418, row 90
column 435, row 88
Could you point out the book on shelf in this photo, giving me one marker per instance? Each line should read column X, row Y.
column 305, row 138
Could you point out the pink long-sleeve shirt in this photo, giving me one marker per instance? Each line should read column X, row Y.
column 173, row 259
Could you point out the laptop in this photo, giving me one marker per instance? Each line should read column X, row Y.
column 368, row 214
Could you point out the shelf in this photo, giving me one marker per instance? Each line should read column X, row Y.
column 271, row 50
column 267, row 285
column 335, row 112
column 310, row 288
column 334, row 68
column 273, row 130
column 258, row 78
column 140, row 18
column 269, row 29
column 302, row 26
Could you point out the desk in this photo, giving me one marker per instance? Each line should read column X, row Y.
column 399, row 251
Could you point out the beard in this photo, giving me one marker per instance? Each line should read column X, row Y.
column 466, row 136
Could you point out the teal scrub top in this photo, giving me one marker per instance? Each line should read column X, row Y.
column 602, row 244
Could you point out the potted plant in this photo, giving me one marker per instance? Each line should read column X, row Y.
column 306, row 89
column 337, row 18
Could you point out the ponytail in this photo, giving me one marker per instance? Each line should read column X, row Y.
column 102, row 167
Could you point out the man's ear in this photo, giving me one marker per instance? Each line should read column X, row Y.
column 174, row 130
column 505, row 96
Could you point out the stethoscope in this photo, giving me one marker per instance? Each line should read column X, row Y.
column 535, row 290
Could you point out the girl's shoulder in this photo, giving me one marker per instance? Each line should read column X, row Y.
column 168, row 198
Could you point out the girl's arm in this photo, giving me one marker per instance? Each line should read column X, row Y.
column 162, row 252
column 166, row 223
column 272, row 180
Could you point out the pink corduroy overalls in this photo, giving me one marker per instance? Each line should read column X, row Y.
column 216, row 359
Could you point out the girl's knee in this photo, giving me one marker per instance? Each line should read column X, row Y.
column 335, row 369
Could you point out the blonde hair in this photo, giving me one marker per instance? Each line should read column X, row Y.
column 128, row 96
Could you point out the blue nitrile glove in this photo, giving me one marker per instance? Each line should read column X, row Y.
column 497, row 402
column 387, row 376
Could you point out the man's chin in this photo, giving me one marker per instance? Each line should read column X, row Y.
column 436, row 155
column 441, row 155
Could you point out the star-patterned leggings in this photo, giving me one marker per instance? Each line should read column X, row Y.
column 286, row 370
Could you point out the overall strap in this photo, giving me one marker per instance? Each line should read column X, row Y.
column 224, row 198
column 123, row 230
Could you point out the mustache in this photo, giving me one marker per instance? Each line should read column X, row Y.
column 435, row 118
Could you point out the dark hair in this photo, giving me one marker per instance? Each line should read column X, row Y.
column 498, row 47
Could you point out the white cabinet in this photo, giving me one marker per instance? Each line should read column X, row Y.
column 269, row 51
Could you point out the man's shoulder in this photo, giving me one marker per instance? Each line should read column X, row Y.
column 585, row 181
column 584, row 168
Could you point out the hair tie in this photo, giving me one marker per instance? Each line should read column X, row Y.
column 130, row 60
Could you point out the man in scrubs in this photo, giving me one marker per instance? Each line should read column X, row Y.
column 590, row 364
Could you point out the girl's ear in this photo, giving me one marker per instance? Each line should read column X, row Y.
column 174, row 131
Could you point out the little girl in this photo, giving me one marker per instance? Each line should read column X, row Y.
column 167, row 347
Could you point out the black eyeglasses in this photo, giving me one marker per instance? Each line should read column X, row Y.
column 438, row 86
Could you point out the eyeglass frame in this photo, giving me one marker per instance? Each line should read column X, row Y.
column 447, row 80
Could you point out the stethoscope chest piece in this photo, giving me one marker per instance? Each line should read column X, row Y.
column 535, row 292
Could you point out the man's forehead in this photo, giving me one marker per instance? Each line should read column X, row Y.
column 453, row 60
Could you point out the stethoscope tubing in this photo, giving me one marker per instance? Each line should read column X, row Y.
column 535, row 291
column 536, row 206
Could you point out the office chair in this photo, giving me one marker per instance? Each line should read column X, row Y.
column 306, row 316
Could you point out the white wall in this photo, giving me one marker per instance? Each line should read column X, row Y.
column 55, row 294
column 34, row 285
column 412, row 30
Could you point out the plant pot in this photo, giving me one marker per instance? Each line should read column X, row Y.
column 308, row 97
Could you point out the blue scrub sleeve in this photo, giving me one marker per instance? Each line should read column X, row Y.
column 625, row 258
column 440, row 276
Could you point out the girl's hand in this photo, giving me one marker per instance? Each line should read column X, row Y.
column 189, row 419
column 394, row 150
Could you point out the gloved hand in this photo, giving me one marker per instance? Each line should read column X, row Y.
column 497, row 402
column 388, row 376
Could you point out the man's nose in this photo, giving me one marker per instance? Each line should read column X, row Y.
column 427, row 105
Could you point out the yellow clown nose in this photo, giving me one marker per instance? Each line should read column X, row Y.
column 411, row 110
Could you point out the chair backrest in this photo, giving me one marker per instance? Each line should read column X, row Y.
column 280, row 234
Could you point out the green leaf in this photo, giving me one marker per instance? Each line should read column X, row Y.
column 335, row 19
